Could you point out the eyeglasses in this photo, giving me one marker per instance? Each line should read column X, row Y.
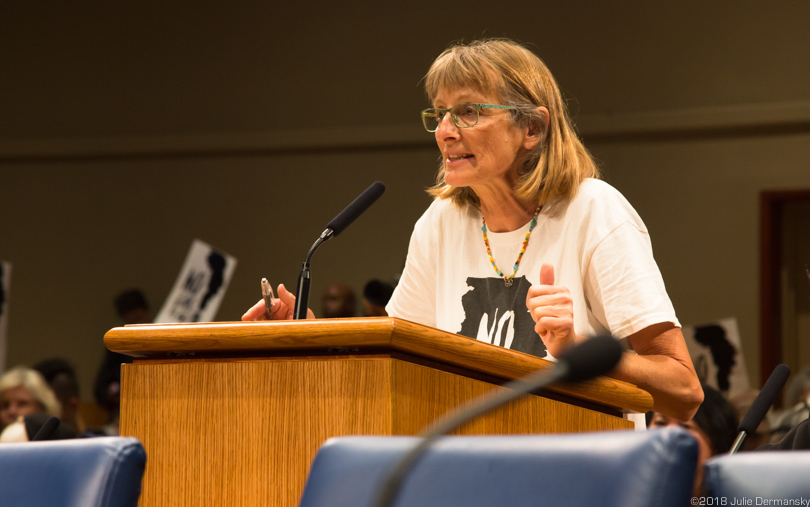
column 464, row 115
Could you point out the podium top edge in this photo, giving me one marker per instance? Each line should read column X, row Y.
column 355, row 335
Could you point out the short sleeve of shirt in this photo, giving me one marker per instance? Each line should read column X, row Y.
column 414, row 298
column 622, row 282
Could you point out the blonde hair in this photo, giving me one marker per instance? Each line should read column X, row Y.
column 35, row 384
column 558, row 164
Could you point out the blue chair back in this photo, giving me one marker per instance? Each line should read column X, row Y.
column 625, row 468
column 85, row 472
column 765, row 475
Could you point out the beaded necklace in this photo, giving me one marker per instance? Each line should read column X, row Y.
column 507, row 280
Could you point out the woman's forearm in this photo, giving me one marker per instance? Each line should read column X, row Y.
column 662, row 367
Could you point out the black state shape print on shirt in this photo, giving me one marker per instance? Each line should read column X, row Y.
column 497, row 314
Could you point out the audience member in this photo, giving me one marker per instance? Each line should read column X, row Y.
column 797, row 439
column 132, row 308
column 798, row 388
column 60, row 375
column 376, row 294
column 714, row 426
column 338, row 301
column 23, row 391
column 797, row 405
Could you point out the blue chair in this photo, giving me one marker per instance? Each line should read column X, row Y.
column 607, row 469
column 765, row 475
column 86, row 472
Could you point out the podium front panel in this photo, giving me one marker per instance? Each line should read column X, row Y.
column 244, row 431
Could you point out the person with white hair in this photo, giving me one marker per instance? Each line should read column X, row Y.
column 24, row 391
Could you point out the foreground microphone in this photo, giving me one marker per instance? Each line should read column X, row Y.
column 591, row 358
column 47, row 429
column 762, row 403
column 335, row 227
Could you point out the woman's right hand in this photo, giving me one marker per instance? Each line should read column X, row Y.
column 283, row 308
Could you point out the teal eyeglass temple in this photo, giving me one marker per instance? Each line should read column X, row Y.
column 432, row 116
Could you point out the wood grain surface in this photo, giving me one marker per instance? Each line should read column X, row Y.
column 357, row 336
column 243, row 432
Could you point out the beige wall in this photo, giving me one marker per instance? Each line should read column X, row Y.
column 127, row 131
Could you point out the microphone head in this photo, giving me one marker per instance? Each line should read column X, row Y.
column 764, row 399
column 591, row 358
column 47, row 429
column 356, row 208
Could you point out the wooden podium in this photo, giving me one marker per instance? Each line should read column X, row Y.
column 233, row 413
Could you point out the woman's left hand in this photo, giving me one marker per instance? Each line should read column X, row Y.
column 283, row 308
column 552, row 310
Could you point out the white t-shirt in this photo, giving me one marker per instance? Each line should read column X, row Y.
column 597, row 243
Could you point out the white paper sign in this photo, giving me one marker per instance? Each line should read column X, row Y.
column 718, row 356
column 5, row 286
column 200, row 286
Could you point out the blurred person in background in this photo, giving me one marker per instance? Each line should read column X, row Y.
column 338, row 301
column 796, row 405
column 23, row 391
column 791, row 428
column 61, row 377
column 132, row 308
column 376, row 294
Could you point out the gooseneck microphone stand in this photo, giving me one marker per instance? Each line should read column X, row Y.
column 302, row 298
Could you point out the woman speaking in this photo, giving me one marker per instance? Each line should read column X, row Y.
column 523, row 246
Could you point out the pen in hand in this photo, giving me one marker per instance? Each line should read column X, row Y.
column 267, row 294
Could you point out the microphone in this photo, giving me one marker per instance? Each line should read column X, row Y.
column 762, row 403
column 47, row 429
column 335, row 227
column 591, row 358
column 356, row 208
